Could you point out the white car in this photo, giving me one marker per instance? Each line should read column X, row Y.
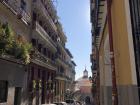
column 60, row 103
column 64, row 103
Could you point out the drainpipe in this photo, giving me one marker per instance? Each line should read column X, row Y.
column 98, row 77
column 114, row 86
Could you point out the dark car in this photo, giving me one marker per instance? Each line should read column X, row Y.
column 70, row 102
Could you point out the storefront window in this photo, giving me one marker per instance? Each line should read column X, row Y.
column 3, row 91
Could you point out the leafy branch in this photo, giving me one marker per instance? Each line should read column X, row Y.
column 11, row 44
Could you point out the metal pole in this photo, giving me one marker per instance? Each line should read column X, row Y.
column 114, row 86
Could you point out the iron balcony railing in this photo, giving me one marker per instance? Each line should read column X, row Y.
column 39, row 56
column 51, row 9
column 41, row 30
column 60, row 30
column 94, row 66
column 62, row 75
column 16, row 9
column 62, row 60
column 58, row 74
column 60, row 45
column 69, row 78
column 11, row 58
column 40, row 6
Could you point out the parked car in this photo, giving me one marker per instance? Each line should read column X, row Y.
column 64, row 103
column 60, row 103
column 49, row 104
column 70, row 102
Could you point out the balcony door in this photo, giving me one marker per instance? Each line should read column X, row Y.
column 17, row 98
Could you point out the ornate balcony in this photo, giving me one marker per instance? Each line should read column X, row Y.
column 42, row 60
column 44, row 35
column 62, row 47
column 17, row 10
column 11, row 58
column 38, row 5
column 68, row 78
column 61, row 76
column 62, row 61
column 60, row 31
column 51, row 9
column 94, row 66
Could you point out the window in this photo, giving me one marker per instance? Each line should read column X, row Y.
column 44, row 51
column 52, row 56
column 17, row 98
column 40, row 22
column 39, row 47
column 34, row 42
column 3, row 91
column 34, row 16
column 48, row 54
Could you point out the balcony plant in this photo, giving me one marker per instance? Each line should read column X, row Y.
column 13, row 45
column 6, row 38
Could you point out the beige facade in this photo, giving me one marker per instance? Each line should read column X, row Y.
column 125, row 68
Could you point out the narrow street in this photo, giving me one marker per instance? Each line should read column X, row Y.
column 69, row 52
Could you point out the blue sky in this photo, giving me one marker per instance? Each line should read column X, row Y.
column 75, row 18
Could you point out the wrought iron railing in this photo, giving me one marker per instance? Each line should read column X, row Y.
column 62, row 60
column 39, row 56
column 62, row 75
column 15, row 8
column 39, row 4
column 51, row 9
column 43, row 32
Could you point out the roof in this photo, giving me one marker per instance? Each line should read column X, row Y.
column 83, row 82
column 85, row 70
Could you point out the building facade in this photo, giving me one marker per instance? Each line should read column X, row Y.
column 45, row 77
column 83, row 88
column 114, row 57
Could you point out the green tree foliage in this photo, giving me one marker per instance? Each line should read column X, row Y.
column 14, row 45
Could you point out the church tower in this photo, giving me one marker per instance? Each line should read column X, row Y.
column 85, row 73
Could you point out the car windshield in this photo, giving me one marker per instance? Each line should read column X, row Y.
column 69, row 101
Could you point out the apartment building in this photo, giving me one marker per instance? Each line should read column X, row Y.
column 13, row 73
column 114, row 57
column 35, row 82
column 70, row 73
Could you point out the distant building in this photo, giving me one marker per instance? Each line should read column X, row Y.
column 83, row 85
